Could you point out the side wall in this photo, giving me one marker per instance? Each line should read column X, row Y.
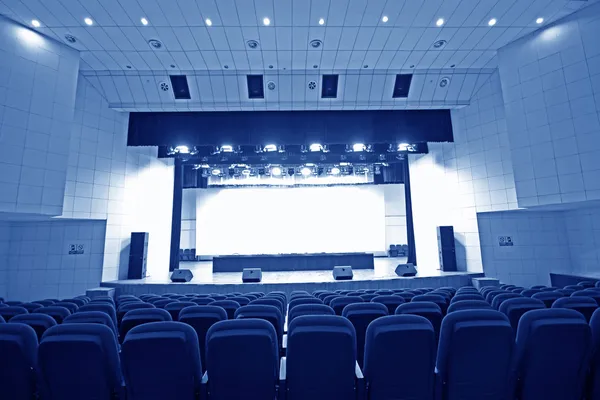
column 583, row 232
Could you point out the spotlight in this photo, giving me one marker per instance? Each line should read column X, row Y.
column 246, row 172
column 492, row 22
column 182, row 149
column 404, row 147
column 276, row 171
column 226, row 149
column 440, row 22
column 335, row 171
column 358, row 147
column 291, row 171
column 144, row 21
column 208, row 22
column 270, row 147
column 384, row 18
column 316, row 147
column 35, row 23
column 306, row 171
column 266, row 21
column 231, row 172
column 88, row 21
column 216, row 172
column 537, row 21
column 322, row 21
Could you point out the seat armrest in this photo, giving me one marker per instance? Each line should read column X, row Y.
column 361, row 390
column 282, row 369
column 438, row 386
column 204, row 387
column 282, row 388
column 284, row 342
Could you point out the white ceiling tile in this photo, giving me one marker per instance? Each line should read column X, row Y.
column 348, row 38
column 202, row 38
column 190, row 10
column 181, row 60
column 284, row 60
column 196, row 59
column 172, row 12
column 283, row 13
column 255, row 60
column 267, row 38
column 364, row 38
column 300, row 13
column 300, row 38
column 235, row 38
column 218, row 38
column 283, row 36
column 185, row 38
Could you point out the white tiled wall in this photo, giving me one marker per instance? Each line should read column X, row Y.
column 551, row 87
column 583, row 232
column 38, row 77
column 540, row 246
column 456, row 180
column 39, row 264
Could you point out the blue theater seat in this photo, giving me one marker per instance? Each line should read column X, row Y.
column 407, row 296
column 72, row 307
column 161, row 360
column 102, row 307
column 592, row 293
column 427, row 309
column 201, row 318
column 499, row 299
column 339, row 303
column 321, row 359
column 273, row 302
column 44, row 303
column 104, row 299
column 76, row 360
column 229, row 306
column 552, row 354
column 203, row 301
column 433, row 298
column 309, row 309
column 39, row 322
column 303, row 300
column 489, row 297
column 242, row 360
column 466, row 296
column 78, row 301
column 18, row 361
column 31, row 306
column 585, row 305
column 390, row 301
column 367, row 297
column 13, row 303
column 175, row 308
column 124, row 308
column 548, row 298
column 516, row 307
column 595, row 361
column 463, row 371
column 92, row 317
column 396, row 371
column 361, row 315
column 266, row 312
column 163, row 302
column 328, row 299
column 10, row 311
column 57, row 312
column 469, row 305
column 141, row 316
column 242, row 300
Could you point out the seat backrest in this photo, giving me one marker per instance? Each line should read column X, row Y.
column 57, row 312
column 268, row 302
column 434, row 298
column 105, row 308
column 594, row 294
column 390, row 301
column 229, row 306
column 263, row 311
column 409, row 338
column 585, row 305
column 407, row 296
column 595, row 359
column 72, row 307
column 85, row 354
column 172, row 351
column 31, row 306
column 203, row 301
column 367, row 297
column 140, row 316
column 464, row 373
column 18, row 363
column 321, row 358
column 361, row 315
column 242, row 358
column 501, row 298
column 122, row 310
column 44, row 303
column 339, row 303
column 466, row 296
column 39, row 322
column 8, row 312
column 92, row 317
column 201, row 318
column 489, row 297
column 552, row 354
column 515, row 308
column 162, row 303
column 469, row 305
column 175, row 308
column 309, row 309
column 303, row 300
column 241, row 300
column 547, row 298
column 329, row 298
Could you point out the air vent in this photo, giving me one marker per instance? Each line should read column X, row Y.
column 402, row 85
column 179, row 83
column 255, row 87
column 329, row 87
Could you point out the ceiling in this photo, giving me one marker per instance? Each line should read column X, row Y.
column 356, row 43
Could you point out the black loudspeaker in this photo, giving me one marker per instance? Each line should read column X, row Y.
column 181, row 275
column 342, row 273
column 138, row 255
column 251, row 275
column 446, row 247
column 406, row 270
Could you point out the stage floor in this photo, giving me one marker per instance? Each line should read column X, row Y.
column 382, row 276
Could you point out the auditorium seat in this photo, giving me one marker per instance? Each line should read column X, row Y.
column 466, row 296
column 328, row 299
column 39, row 322
column 44, row 303
column 588, row 293
column 585, row 305
column 551, row 356
column 265, row 301
column 549, row 289
column 92, row 317
column 361, row 315
column 538, row 286
column 31, row 306
column 321, row 359
column 547, row 297
column 427, row 309
column 162, row 303
column 516, row 307
column 18, row 361
column 499, row 299
column 123, row 308
column 279, row 296
column 390, row 301
column 486, row 289
column 367, row 297
column 161, row 360
column 339, row 303
column 218, row 297
column 104, row 299
column 466, row 290
column 407, row 296
column 141, row 316
column 242, row 359
column 595, row 357
column 574, row 287
column 102, row 307
column 72, row 307
column 79, row 302
column 201, row 318
column 10, row 311
column 241, row 300
column 399, row 358
column 175, row 308
column 463, row 371
column 489, row 296
column 263, row 311
column 384, row 292
column 309, row 309
column 76, row 360
column 469, row 305
column 303, row 300
column 432, row 298
column 229, row 306
column 587, row 284
column 202, row 301
column 13, row 303
column 57, row 312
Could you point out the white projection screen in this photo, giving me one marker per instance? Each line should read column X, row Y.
column 336, row 219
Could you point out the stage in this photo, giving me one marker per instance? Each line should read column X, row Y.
column 292, row 262
column 207, row 281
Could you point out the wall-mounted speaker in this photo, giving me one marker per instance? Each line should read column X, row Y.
column 342, row 273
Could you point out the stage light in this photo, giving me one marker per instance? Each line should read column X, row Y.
column 276, row 171
column 335, row 171
column 316, row 147
column 306, row 171
column 358, row 147
column 181, row 149
column 270, row 147
column 291, row 171
column 226, row 149
column 231, row 172
column 404, row 147
column 246, row 172
column 216, row 172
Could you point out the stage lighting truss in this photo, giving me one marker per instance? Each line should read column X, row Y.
column 182, row 150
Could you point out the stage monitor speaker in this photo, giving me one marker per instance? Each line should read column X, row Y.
column 446, row 248
column 342, row 273
column 138, row 255
column 181, row 275
column 251, row 275
column 406, row 270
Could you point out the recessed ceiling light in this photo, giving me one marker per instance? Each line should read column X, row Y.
column 88, row 21
column 266, row 21
column 322, row 21
column 539, row 20
column 35, row 23
column 492, row 22
column 144, row 21
column 208, row 22
column 440, row 22
column 384, row 18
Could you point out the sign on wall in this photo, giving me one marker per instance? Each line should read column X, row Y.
column 504, row 241
column 76, row 248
